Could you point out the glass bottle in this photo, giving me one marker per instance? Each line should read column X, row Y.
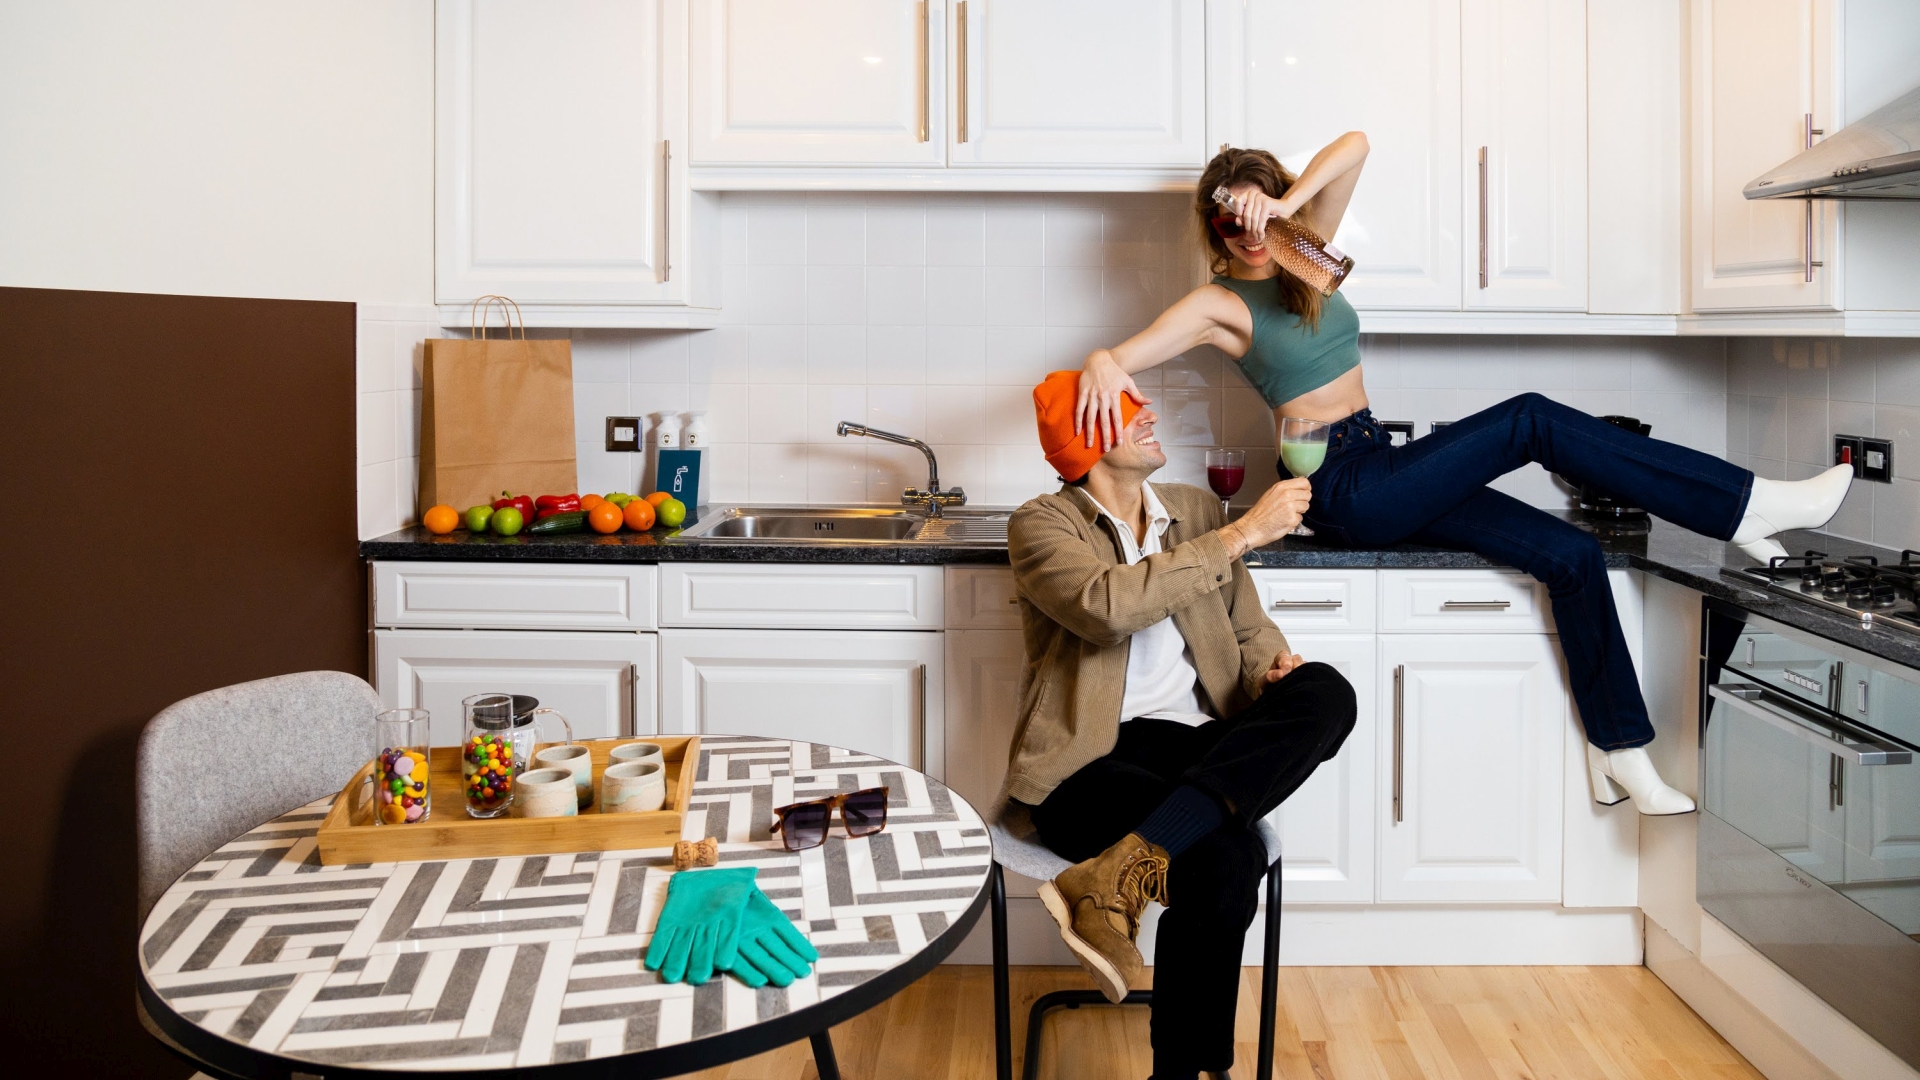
column 1298, row 249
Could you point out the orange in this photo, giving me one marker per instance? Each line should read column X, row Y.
column 588, row 502
column 441, row 520
column 639, row 515
column 654, row 500
column 604, row 517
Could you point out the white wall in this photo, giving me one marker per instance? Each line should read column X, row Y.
column 935, row 316
column 218, row 147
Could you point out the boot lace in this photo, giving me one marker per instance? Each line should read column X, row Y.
column 1143, row 878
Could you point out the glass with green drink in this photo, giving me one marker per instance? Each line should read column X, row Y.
column 1303, row 446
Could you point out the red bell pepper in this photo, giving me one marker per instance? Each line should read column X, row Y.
column 522, row 503
column 548, row 505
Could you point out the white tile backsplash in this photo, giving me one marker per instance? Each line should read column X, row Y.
column 1788, row 397
column 389, row 350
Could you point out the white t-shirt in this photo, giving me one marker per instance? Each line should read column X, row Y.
column 1161, row 680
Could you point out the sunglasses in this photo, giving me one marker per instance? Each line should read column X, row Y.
column 804, row 825
column 1228, row 227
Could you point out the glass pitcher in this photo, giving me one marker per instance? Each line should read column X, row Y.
column 402, row 752
column 497, row 747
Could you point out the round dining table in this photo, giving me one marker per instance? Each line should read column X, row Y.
column 261, row 962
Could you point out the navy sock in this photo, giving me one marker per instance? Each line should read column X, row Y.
column 1178, row 823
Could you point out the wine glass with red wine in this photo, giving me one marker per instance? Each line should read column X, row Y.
column 1226, row 471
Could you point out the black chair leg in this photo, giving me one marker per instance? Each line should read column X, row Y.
column 1066, row 999
column 1002, row 995
column 823, row 1060
column 1269, row 976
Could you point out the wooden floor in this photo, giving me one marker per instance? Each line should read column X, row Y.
column 1347, row 1023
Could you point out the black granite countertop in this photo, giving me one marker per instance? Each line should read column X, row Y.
column 1667, row 551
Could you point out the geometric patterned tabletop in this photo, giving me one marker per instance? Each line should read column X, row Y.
column 478, row 964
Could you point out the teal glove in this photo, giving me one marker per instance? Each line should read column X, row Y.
column 699, row 925
column 771, row 948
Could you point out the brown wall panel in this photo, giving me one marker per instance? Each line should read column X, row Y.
column 180, row 514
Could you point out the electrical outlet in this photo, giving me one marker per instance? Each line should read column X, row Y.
column 1876, row 460
column 623, row 434
column 1847, row 451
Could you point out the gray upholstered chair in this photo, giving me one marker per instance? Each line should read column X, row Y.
column 1017, row 847
column 219, row 763
column 264, row 747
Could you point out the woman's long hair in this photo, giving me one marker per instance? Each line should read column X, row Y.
column 1232, row 167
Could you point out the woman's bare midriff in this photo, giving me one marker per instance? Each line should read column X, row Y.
column 1337, row 400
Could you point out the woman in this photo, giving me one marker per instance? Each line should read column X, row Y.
column 1301, row 351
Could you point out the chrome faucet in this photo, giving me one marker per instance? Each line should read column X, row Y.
column 933, row 497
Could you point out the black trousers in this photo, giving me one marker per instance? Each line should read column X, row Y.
column 1251, row 762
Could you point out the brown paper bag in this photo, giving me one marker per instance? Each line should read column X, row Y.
column 497, row 414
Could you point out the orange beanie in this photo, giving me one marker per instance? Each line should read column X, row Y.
column 1053, row 407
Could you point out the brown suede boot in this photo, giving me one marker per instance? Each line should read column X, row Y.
column 1098, row 904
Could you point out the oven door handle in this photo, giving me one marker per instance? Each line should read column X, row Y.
column 1841, row 740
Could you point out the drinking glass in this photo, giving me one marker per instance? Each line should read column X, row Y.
column 1226, row 471
column 1303, row 447
column 498, row 747
column 402, row 754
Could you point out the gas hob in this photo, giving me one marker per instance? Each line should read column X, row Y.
column 1858, row 585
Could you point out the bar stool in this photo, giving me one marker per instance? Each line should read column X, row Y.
column 1017, row 847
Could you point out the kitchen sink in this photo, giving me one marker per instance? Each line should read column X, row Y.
column 848, row 525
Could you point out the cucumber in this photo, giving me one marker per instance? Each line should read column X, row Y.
column 567, row 521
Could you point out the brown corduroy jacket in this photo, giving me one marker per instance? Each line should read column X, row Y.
column 1080, row 605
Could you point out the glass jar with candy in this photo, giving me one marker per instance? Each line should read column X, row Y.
column 402, row 788
column 499, row 743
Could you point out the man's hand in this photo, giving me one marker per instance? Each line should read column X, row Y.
column 1280, row 509
column 1282, row 665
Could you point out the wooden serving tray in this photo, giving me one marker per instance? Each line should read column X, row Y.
column 349, row 835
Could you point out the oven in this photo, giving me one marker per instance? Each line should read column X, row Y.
column 1810, row 815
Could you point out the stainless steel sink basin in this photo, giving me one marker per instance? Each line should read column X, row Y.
column 847, row 525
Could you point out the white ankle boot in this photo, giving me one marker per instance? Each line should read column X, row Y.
column 1620, row 774
column 1778, row 505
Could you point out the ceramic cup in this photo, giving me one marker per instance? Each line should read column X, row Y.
column 575, row 759
column 633, row 787
column 544, row 793
column 636, row 751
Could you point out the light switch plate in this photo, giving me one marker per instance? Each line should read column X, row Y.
column 623, row 434
column 1876, row 460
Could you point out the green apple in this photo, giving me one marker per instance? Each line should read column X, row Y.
column 671, row 513
column 478, row 517
column 508, row 520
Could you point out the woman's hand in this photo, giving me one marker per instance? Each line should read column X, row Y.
column 1258, row 206
column 1101, row 383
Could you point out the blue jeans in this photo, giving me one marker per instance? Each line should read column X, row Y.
column 1433, row 491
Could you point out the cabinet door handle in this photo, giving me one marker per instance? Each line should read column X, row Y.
column 1811, row 261
column 1837, row 737
column 1476, row 605
column 1860, row 697
column 1308, row 605
column 1483, row 217
column 960, row 52
column 666, row 210
column 922, row 721
column 1399, row 738
column 926, row 70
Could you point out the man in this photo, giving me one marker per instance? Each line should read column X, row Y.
column 1162, row 715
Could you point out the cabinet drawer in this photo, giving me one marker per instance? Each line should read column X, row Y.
column 1317, row 600
column 982, row 598
column 1484, row 600
column 531, row 596
column 801, row 597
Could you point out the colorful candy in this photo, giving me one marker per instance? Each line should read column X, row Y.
column 489, row 766
column 401, row 780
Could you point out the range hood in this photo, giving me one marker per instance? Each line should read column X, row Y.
column 1876, row 157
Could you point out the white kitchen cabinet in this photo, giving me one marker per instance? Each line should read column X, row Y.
column 561, row 173
column 1470, row 769
column 801, row 597
column 1523, row 126
column 1471, row 601
column 879, row 692
column 1763, row 76
column 1077, row 83
column 1317, row 601
column 603, row 683
column 833, row 82
column 514, row 595
column 1327, row 826
column 1291, row 75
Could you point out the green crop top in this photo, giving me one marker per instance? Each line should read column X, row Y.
column 1286, row 359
